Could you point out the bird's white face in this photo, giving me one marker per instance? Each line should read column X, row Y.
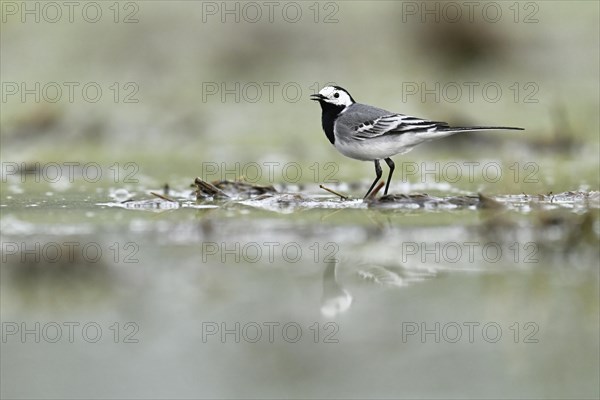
column 335, row 96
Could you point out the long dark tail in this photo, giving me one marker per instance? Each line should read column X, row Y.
column 477, row 128
column 443, row 130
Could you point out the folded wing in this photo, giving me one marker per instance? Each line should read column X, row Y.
column 394, row 124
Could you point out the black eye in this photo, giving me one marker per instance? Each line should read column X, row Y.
column 336, row 95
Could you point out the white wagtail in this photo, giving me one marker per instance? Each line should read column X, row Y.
column 369, row 133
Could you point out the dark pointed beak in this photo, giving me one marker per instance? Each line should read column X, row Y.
column 317, row 97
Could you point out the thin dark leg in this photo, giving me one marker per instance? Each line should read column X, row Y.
column 378, row 172
column 390, row 164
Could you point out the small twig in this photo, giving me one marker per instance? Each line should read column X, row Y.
column 160, row 196
column 373, row 194
column 209, row 188
column 334, row 192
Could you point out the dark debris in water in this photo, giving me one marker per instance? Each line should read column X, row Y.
column 229, row 189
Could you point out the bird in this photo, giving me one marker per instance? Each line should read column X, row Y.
column 368, row 133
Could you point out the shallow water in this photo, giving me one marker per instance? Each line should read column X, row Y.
column 132, row 295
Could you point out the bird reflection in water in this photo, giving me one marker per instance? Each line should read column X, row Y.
column 337, row 300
